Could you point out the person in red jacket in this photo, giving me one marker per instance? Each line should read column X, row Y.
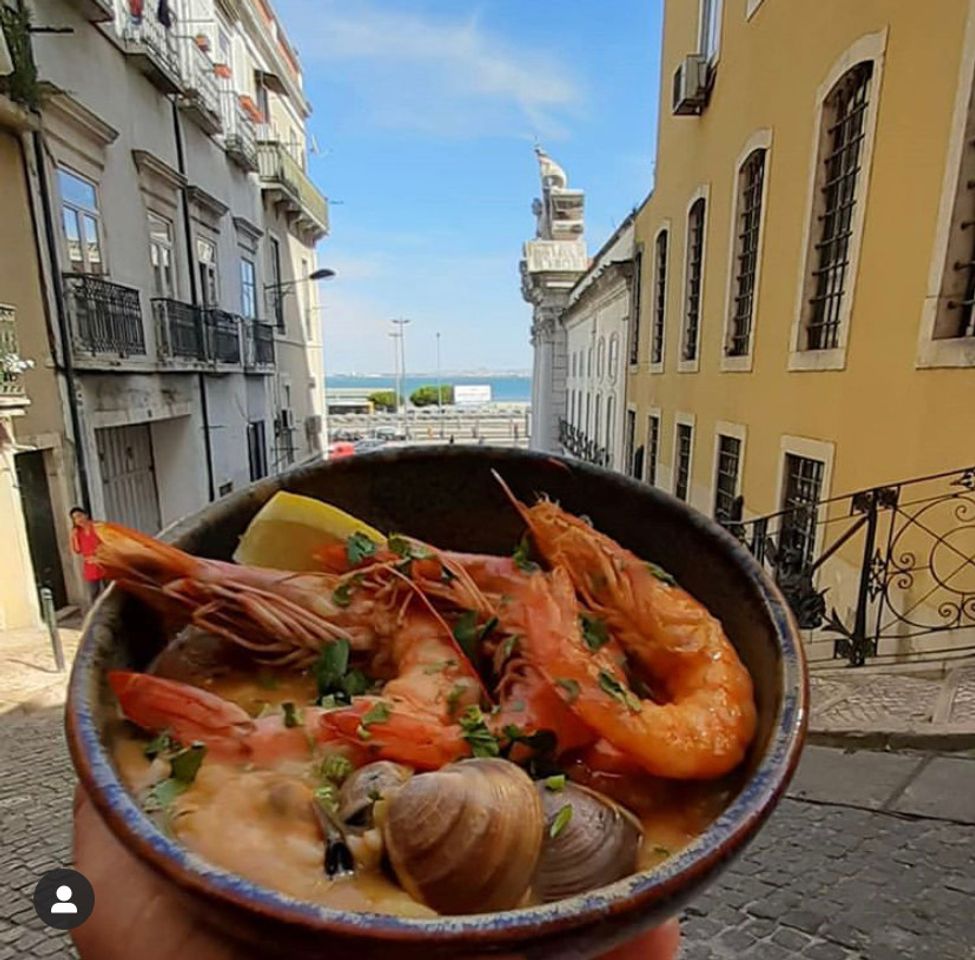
column 84, row 542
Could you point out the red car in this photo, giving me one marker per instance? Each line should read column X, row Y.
column 341, row 448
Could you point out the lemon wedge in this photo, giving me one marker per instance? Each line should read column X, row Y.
column 290, row 529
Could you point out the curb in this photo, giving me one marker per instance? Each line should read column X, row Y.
column 949, row 737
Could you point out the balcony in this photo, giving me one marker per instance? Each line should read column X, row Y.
column 154, row 49
column 187, row 332
column 12, row 366
column 240, row 133
column 105, row 317
column 259, row 353
column 95, row 11
column 291, row 189
column 200, row 93
column 576, row 443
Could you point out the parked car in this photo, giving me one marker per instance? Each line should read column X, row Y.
column 341, row 448
column 366, row 446
column 389, row 433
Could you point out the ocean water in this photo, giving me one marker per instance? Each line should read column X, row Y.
column 510, row 389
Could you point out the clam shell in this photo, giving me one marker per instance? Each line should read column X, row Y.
column 598, row 845
column 466, row 838
column 367, row 784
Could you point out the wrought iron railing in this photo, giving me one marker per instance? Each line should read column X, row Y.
column 575, row 442
column 158, row 40
column 223, row 335
column 260, row 344
column 20, row 83
column 12, row 365
column 277, row 166
column 179, row 329
column 239, row 130
column 199, row 81
column 105, row 317
column 878, row 569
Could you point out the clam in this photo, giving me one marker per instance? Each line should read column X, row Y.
column 597, row 843
column 363, row 787
column 466, row 838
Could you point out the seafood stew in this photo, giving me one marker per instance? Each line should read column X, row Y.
column 398, row 728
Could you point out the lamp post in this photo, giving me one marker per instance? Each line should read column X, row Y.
column 439, row 389
column 400, row 325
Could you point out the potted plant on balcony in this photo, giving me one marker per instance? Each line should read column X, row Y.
column 251, row 108
column 223, row 71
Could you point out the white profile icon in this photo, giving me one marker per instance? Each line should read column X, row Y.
column 63, row 893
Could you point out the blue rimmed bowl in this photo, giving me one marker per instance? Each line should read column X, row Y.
column 447, row 496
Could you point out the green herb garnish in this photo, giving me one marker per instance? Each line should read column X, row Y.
column 561, row 821
column 185, row 764
column 379, row 712
column 465, row 632
column 615, row 689
column 162, row 794
column 291, row 716
column 483, row 743
column 453, row 698
column 342, row 595
column 327, row 796
column 355, row 683
column 571, row 688
column 161, row 744
column 359, row 547
column 336, row 683
column 661, row 574
column 337, row 768
column 522, row 556
column 556, row 784
column 594, row 632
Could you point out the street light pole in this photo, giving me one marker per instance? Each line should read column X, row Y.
column 439, row 389
column 396, row 388
column 401, row 325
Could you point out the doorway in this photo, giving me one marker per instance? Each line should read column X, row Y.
column 129, row 476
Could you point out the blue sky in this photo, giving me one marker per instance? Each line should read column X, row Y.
column 425, row 117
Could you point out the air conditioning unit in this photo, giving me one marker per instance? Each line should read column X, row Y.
column 691, row 85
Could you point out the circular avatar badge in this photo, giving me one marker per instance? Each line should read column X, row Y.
column 64, row 899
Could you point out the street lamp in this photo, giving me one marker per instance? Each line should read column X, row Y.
column 400, row 324
column 278, row 291
column 439, row 389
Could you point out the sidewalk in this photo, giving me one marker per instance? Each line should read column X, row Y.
column 29, row 679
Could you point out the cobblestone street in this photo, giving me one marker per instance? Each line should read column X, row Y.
column 862, row 875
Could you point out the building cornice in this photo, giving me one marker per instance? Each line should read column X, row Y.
column 73, row 112
column 250, row 230
column 149, row 163
column 206, row 203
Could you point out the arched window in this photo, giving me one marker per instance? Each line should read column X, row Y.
column 695, row 272
column 598, row 425
column 745, row 250
column 601, row 358
column 614, row 356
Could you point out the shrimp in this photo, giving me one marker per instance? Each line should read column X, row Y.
column 193, row 715
column 415, row 720
column 708, row 720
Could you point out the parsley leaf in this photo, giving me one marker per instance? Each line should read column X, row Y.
column 163, row 743
column 504, row 651
column 555, row 784
column 291, row 716
column 337, row 768
column 355, row 683
column 379, row 712
column 399, row 545
column 185, row 764
column 359, row 547
column 335, row 682
column 661, row 574
column 561, row 821
column 615, row 689
column 483, row 743
column 342, row 595
column 594, row 632
column 522, row 556
column 327, row 796
column 571, row 688
column 164, row 793
column 465, row 632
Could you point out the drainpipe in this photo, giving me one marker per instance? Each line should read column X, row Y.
column 67, row 361
column 194, row 297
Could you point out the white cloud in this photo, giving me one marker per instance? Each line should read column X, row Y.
column 446, row 76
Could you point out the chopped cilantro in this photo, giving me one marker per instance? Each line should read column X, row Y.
column 327, row 797
column 555, row 784
column 185, row 764
column 465, row 632
column 329, row 702
column 359, row 547
column 522, row 556
column 399, row 545
column 594, row 632
column 291, row 716
column 163, row 794
column 163, row 743
column 333, row 677
column 661, row 574
column 615, row 689
column 483, row 743
column 561, row 821
column 355, row 683
column 504, row 651
column 337, row 768
column 379, row 712
column 342, row 594
column 571, row 688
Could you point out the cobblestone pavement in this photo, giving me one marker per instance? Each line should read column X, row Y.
column 836, row 880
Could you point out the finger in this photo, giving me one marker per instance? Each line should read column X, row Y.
column 659, row 944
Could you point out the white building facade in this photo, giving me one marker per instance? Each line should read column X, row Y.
column 597, row 323
column 180, row 356
column 550, row 266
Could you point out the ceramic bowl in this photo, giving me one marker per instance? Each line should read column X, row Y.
column 447, row 496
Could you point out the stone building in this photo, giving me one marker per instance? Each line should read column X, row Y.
column 178, row 346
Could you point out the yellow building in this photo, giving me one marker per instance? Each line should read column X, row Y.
column 806, row 328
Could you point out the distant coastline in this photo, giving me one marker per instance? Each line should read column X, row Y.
column 505, row 387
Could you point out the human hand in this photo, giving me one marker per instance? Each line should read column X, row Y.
column 147, row 921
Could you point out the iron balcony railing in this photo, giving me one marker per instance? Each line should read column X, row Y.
column 200, row 89
column 260, row 344
column 280, row 169
column 147, row 34
column 239, row 130
column 11, row 363
column 106, row 318
column 575, row 442
column 881, row 570
column 189, row 332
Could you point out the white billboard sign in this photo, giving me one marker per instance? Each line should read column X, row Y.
column 471, row 393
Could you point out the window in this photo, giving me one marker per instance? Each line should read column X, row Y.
column 659, row 298
column 685, row 442
column 695, row 266
column 598, row 420
column 81, row 220
column 263, row 104
column 161, row 257
column 614, row 356
column 710, row 28
column 248, row 289
column 601, row 358
column 589, row 363
column 748, row 223
column 653, row 447
column 276, row 296
column 206, row 261
column 635, row 308
column 225, row 48
column 256, row 449
column 628, row 441
column 840, row 164
column 574, row 359
column 588, row 412
column 610, row 426
column 800, row 501
column 726, row 480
